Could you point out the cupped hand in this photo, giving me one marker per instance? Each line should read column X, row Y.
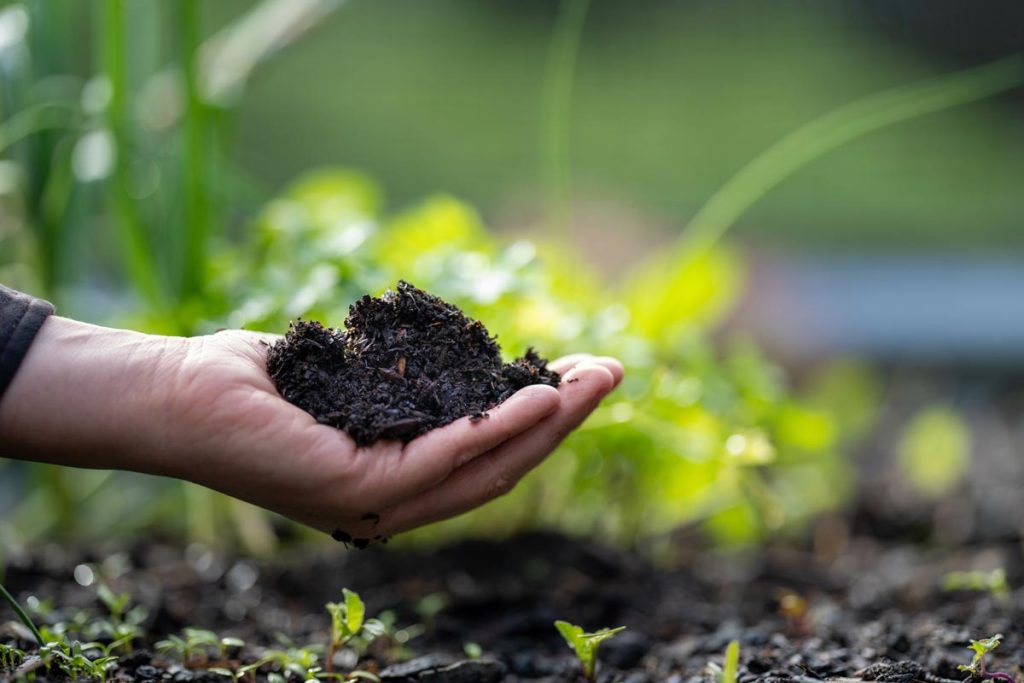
column 258, row 447
column 203, row 409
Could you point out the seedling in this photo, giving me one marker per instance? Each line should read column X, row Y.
column 993, row 582
column 585, row 645
column 10, row 656
column 123, row 626
column 348, row 622
column 239, row 673
column 732, row 663
column 981, row 650
column 70, row 659
column 197, row 641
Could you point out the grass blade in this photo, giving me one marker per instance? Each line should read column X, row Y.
column 832, row 130
column 557, row 106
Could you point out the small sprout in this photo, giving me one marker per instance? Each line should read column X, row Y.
column 732, row 663
column 981, row 649
column 10, row 656
column 729, row 670
column 197, row 641
column 585, row 645
column 116, row 603
column 346, row 617
column 348, row 622
column 70, row 659
column 993, row 582
column 294, row 659
column 473, row 650
column 241, row 672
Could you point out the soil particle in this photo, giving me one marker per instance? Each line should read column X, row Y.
column 442, row 669
column 892, row 672
column 406, row 363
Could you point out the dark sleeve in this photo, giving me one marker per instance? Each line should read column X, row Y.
column 21, row 316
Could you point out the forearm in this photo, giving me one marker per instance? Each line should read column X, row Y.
column 88, row 396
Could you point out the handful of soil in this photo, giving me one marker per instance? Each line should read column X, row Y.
column 405, row 363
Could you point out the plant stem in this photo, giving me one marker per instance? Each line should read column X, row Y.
column 557, row 108
column 138, row 255
column 25, row 619
column 198, row 156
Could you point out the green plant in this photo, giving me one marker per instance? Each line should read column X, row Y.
column 585, row 645
column 731, row 664
column 22, row 615
column 71, row 659
column 993, row 582
column 240, row 672
column 348, row 622
column 122, row 627
column 197, row 641
column 981, row 648
column 10, row 656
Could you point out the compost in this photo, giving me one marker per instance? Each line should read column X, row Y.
column 405, row 363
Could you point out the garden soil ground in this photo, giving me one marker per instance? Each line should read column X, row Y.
column 800, row 615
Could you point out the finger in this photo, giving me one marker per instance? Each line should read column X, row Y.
column 497, row 472
column 566, row 363
column 429, row 459
column 612, row 365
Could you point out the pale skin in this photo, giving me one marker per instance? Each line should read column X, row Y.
column 203, row 409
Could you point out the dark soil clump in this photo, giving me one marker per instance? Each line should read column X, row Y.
column 406, row 363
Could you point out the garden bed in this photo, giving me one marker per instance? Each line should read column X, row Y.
column 798, row 615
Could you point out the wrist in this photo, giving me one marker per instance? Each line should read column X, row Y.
column 86, row 396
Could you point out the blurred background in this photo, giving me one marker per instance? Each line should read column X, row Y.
column 801, row 224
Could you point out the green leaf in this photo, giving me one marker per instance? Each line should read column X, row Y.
column 732, row 662
column 981, row 649
column 585, row 644
column 355, row 610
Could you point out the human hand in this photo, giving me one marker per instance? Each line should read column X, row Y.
column 204, row 409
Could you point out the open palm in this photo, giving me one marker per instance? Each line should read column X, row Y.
column 230, row 430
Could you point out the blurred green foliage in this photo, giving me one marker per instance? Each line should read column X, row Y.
column 127, row 195
column 935, row 451
column 689, row 436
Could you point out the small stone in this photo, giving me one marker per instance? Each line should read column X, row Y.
column 147, row 672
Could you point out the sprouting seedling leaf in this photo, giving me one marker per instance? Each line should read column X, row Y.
column 355, row 610
column 346, row 617
column 348, row 621
column 981, row 649
column 116, row 603
column 585, row 645
column 732, row 663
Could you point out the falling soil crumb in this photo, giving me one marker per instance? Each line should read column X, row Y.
column 406, row 363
